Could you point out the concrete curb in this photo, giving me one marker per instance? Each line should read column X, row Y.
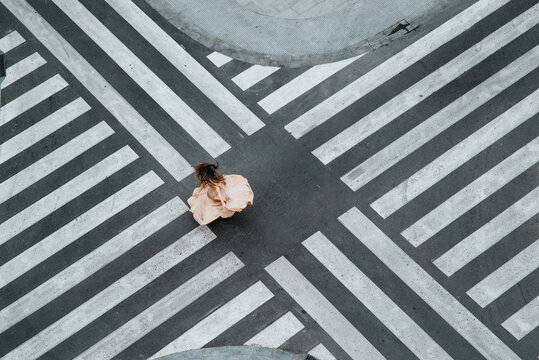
column 243, row 34
column 236, row 353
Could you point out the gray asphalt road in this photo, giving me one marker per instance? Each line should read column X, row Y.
column 395, row 210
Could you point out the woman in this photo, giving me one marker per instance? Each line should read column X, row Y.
column 219, row 195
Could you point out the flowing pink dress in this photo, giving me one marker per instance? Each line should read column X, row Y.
column 222, row 200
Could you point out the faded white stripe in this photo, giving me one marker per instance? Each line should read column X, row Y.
column 506, row 276
column 430, row 291
column 475, row 192
column 393, row 66
column 163, row 309
column 523, row 321
column 278, row 332
column 112, row 296
column 218, row 59
column 301, row 84
column 374, row 299
column 89, row 264
column 31, row 98
column 42, row 129
column 188, row 66
column 65, row 193
column 133, row 122
column 54, row 160
column 320, row 352
column 442, row 120
column 433, row 82
column 322, row 311
column 219, row 321
column 253, row 75
column 489, row 234
column 22, row 68
column 10, row 41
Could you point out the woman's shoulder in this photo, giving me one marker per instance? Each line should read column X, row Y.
column 234, row 177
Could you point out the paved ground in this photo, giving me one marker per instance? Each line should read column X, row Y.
column 300, row 33
column 395, row 209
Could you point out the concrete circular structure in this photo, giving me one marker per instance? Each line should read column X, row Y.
column 295, row 32
column 236, row 353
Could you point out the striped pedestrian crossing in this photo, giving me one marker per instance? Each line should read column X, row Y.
column 297, row 306
column 22, row 68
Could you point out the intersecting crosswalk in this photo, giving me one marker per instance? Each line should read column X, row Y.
column 345, row 336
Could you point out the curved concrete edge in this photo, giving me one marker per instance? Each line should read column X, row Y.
column 236, row 353
column 240, row 33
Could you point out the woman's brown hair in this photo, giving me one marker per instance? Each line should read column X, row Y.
column 207, row 173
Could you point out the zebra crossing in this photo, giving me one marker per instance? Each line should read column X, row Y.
column 190, row 312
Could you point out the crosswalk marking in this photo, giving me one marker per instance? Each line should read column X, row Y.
column 42, row 129
column 322, row 311
column 459, row 154
column 218, row 59
column 301, row 84
column 320, row 352
column 164, row 309
column 31, row 98
column 197, row 128
column 253, row 75
column 133, row 122
column 413, row 275
column 523, row 321
column 219, row 321
column 114, row 294
column 10, row 41
column 54, row 160
column 489, row 234
column 370, row 295
column 278, row 332
column 65, row 193
column 22, row 68
column 506, row 276
column 437, row 123
column 391, row 67
column 80, row 226
column 475, row 192
column 433, row 82
column 188, row 66
column 92, row 262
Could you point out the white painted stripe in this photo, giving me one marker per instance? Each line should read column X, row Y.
column 188, row 66
column 90, row 264
column 133, row 122
column 80, row 226
column 278, row 332
column 393, row 66
column 54, row 160
column 430, row 291
column 10, row 41
column 31, row 98
column 321, row 353
column 506, row 276
column 113, row 295
column 322, row 311
column 197, row 128
column 253, row 75
column 302, row 83
column 475, row 192
column 219, row 321
column 164, row 309
column 22, row 68
column 42, row 129
column 218, row 59
column 458, row 155
column 523, row 321
column 374, row 299
column 65, row 193
column 489, row 234
column 416, row 93
column 442, row 120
